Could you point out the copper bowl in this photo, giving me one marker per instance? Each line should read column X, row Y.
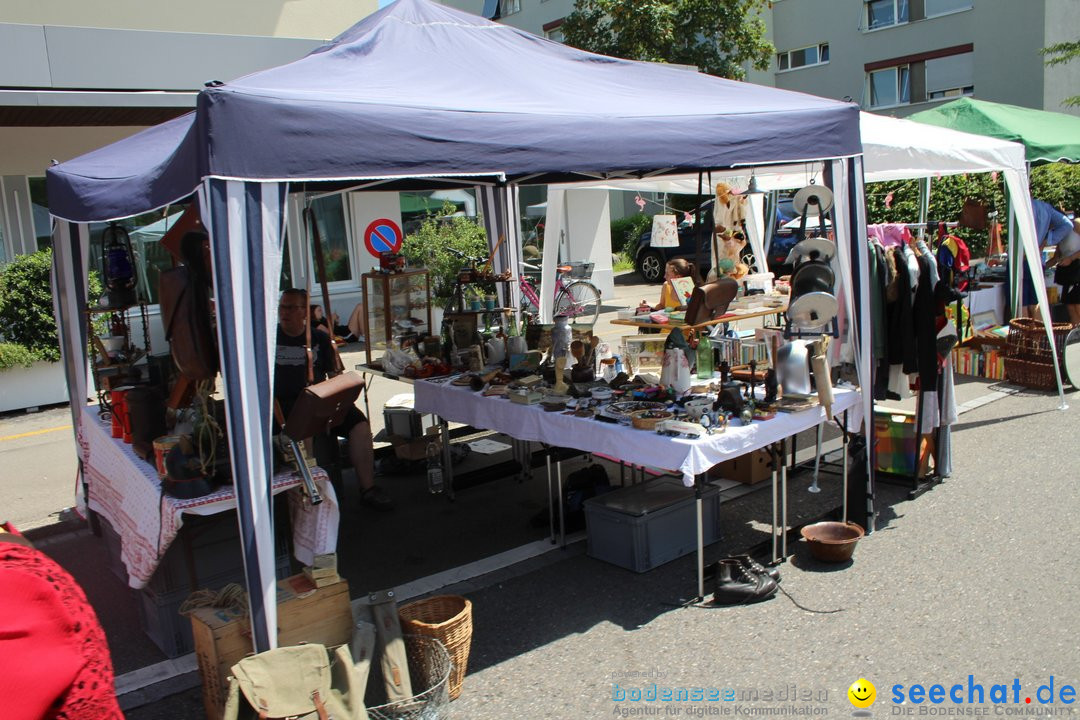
column 832, row 541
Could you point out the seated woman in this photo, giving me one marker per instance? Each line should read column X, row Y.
column 669, row 295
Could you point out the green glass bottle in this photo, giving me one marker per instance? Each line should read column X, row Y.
column 704, row 359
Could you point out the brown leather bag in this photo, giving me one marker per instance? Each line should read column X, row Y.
column 322, row 406
column 187, row 324
column 711, row 300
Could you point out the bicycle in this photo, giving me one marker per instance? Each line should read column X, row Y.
column 578, row 299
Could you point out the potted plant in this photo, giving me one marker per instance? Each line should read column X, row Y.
column 430, row 247
column 30, row 372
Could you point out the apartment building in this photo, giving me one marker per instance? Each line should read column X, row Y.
column 78, row 74
column 891, row 56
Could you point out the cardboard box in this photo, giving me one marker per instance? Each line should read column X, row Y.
column 417, row 448
column 305, row 614
column 748, row 469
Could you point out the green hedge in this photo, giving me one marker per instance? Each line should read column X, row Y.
column 26, row 309
column 1058, row 184
column 429, row 247
column 626, row 231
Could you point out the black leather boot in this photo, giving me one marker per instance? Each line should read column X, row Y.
column 734, row 585
column 753, row 566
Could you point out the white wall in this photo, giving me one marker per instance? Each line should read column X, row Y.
column 589, row 235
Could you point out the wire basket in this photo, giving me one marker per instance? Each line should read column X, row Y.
column 429, row 669
column 448, row 619
column 581, row 270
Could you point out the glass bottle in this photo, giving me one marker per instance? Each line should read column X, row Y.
column 704, row 359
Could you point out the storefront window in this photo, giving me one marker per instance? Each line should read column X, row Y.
column 39, row 205
column 333, row 232
column 151, row 257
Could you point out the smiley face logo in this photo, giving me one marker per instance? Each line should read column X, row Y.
column 862, row 693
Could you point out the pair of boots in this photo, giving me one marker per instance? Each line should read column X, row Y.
column 741, row 579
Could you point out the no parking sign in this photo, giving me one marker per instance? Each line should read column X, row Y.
column 383, row 235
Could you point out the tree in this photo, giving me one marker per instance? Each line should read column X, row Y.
column 716, row 37
column 1061, row 53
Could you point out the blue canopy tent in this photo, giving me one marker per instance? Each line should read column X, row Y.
column 363, row 111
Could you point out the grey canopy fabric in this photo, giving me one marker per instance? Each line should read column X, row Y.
column 418, row 90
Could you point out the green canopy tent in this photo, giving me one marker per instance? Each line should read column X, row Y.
column 1046, row 136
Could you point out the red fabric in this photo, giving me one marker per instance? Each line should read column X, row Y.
column 54, row 660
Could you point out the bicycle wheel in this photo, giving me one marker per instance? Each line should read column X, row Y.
column 579, row 301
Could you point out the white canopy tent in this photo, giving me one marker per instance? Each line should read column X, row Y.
column 893, row 149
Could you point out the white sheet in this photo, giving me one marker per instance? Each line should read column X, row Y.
column 638, row 447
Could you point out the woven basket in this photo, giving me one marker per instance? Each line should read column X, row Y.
column 1027, row 340
column 1030, row 373
column 448, row 619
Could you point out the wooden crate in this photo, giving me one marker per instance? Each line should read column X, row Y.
column 305, row 614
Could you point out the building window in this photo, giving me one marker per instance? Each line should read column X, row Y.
column 333, row 225
column 890, row 86
column 803, row 57
column 509, row 7
column 943, row 7
column 556, row 34
column 951, row 76
column 885, row 13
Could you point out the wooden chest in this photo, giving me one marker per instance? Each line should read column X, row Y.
column 305, row 614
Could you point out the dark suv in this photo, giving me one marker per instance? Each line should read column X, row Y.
column 651, row 261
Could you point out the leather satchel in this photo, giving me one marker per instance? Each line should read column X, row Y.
column 322, row 406
column 187, row 325
column 711, row 300
column 298, row 681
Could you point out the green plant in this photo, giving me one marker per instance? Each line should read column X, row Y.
column 26, row 306
column 626, row 231
column 430, row 247
column 12, row 355
column 715, row 37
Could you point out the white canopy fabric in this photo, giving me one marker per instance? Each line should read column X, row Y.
column 895, row 149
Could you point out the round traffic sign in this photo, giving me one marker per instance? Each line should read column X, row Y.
column 382, row 235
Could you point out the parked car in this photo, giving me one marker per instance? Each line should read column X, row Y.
column 650, row 261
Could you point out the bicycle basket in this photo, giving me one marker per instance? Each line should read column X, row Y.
column 581, row 270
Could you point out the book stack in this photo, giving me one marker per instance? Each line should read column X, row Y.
column 323, row 570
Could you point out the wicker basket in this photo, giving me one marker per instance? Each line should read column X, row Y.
column 448, row 619
column 1030, row 373
column 1027, row 340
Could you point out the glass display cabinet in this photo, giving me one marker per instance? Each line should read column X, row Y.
column 397, row 309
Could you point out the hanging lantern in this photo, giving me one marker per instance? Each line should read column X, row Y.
column 118, row 263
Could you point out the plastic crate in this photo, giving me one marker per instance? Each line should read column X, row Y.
column 581, row 270
column 159, row 613
column 644, row 526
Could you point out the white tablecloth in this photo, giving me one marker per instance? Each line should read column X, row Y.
column 638, row 447
column 988, row 299
column 126, row 490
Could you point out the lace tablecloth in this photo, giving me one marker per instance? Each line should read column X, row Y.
column 126, row 491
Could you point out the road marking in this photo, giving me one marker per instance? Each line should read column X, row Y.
column 34, row 432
